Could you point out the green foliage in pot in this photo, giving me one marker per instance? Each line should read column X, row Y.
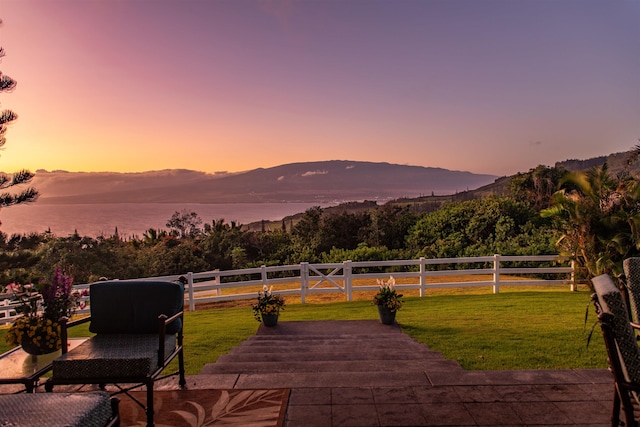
column 268, row 303
column 387, row 296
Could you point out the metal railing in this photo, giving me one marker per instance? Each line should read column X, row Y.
column 347, row 277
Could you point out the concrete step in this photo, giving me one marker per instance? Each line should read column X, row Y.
column 293, row 337
column 358, row 348
column 372, row 366
column 333, row 380
column 338, row 337
column 329, row 328
column 329, row 354
column 386, row 340
column 303, row 380
column 252, row 356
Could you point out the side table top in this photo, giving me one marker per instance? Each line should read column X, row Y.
column 16, row 364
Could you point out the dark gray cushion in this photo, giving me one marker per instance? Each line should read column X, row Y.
column 112, row 356
column 55, row 409
column 120, row 307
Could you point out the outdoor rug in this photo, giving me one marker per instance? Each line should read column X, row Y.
column 200, row 408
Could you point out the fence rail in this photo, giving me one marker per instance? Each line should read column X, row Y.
column 347, row 277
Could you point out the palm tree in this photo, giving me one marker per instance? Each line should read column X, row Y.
column 599, row 218
column 634, row 155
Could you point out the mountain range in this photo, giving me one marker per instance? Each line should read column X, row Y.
column 323, row 182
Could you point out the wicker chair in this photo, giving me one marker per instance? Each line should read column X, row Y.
column 138, row 327
column 622, row 347
column 631, row 268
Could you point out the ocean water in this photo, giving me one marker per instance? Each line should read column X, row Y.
column 131, row 219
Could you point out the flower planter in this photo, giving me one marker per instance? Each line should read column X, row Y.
column 35, row 331
column 36, row 350
column 388, row 301
column 387, row 317
column 268, row 307
column 35, row 335
column 270, row 319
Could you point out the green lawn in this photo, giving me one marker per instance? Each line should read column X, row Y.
column 515, row 329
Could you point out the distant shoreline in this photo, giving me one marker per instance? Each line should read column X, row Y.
column 132, row 219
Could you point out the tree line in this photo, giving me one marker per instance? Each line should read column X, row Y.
column 469, row 228
column 591, row 216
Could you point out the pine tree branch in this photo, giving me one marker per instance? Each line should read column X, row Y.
column 28, row 195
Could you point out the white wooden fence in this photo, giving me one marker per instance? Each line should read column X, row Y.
column 348, row 277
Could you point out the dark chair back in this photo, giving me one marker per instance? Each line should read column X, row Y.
column 123, row 307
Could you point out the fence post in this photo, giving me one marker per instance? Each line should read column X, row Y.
column 496, row 273
column 216, row 280
column 304, row 281
column 574, row 286
column 263, row 274
column 192, row 303
column 348, row 286
column 423, row 282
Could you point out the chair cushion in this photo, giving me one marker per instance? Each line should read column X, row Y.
column 55, row 409
column 121, row 307
column 112, row 356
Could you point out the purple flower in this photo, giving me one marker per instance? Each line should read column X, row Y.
column 58, row 298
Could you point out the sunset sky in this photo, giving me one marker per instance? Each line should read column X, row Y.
column 487, row 86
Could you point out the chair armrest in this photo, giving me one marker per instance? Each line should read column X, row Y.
column 173, row 318
column 64, row 330
column 629, row 385
column 163, row 321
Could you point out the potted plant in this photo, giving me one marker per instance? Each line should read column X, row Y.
column 38, row 329
column 268, row 306
column 388, row 301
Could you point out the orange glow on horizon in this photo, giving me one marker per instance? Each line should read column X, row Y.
column 489, row 87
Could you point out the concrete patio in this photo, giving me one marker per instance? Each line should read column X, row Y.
column 363, row 373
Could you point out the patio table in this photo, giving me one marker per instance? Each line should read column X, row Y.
column 19, row 367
